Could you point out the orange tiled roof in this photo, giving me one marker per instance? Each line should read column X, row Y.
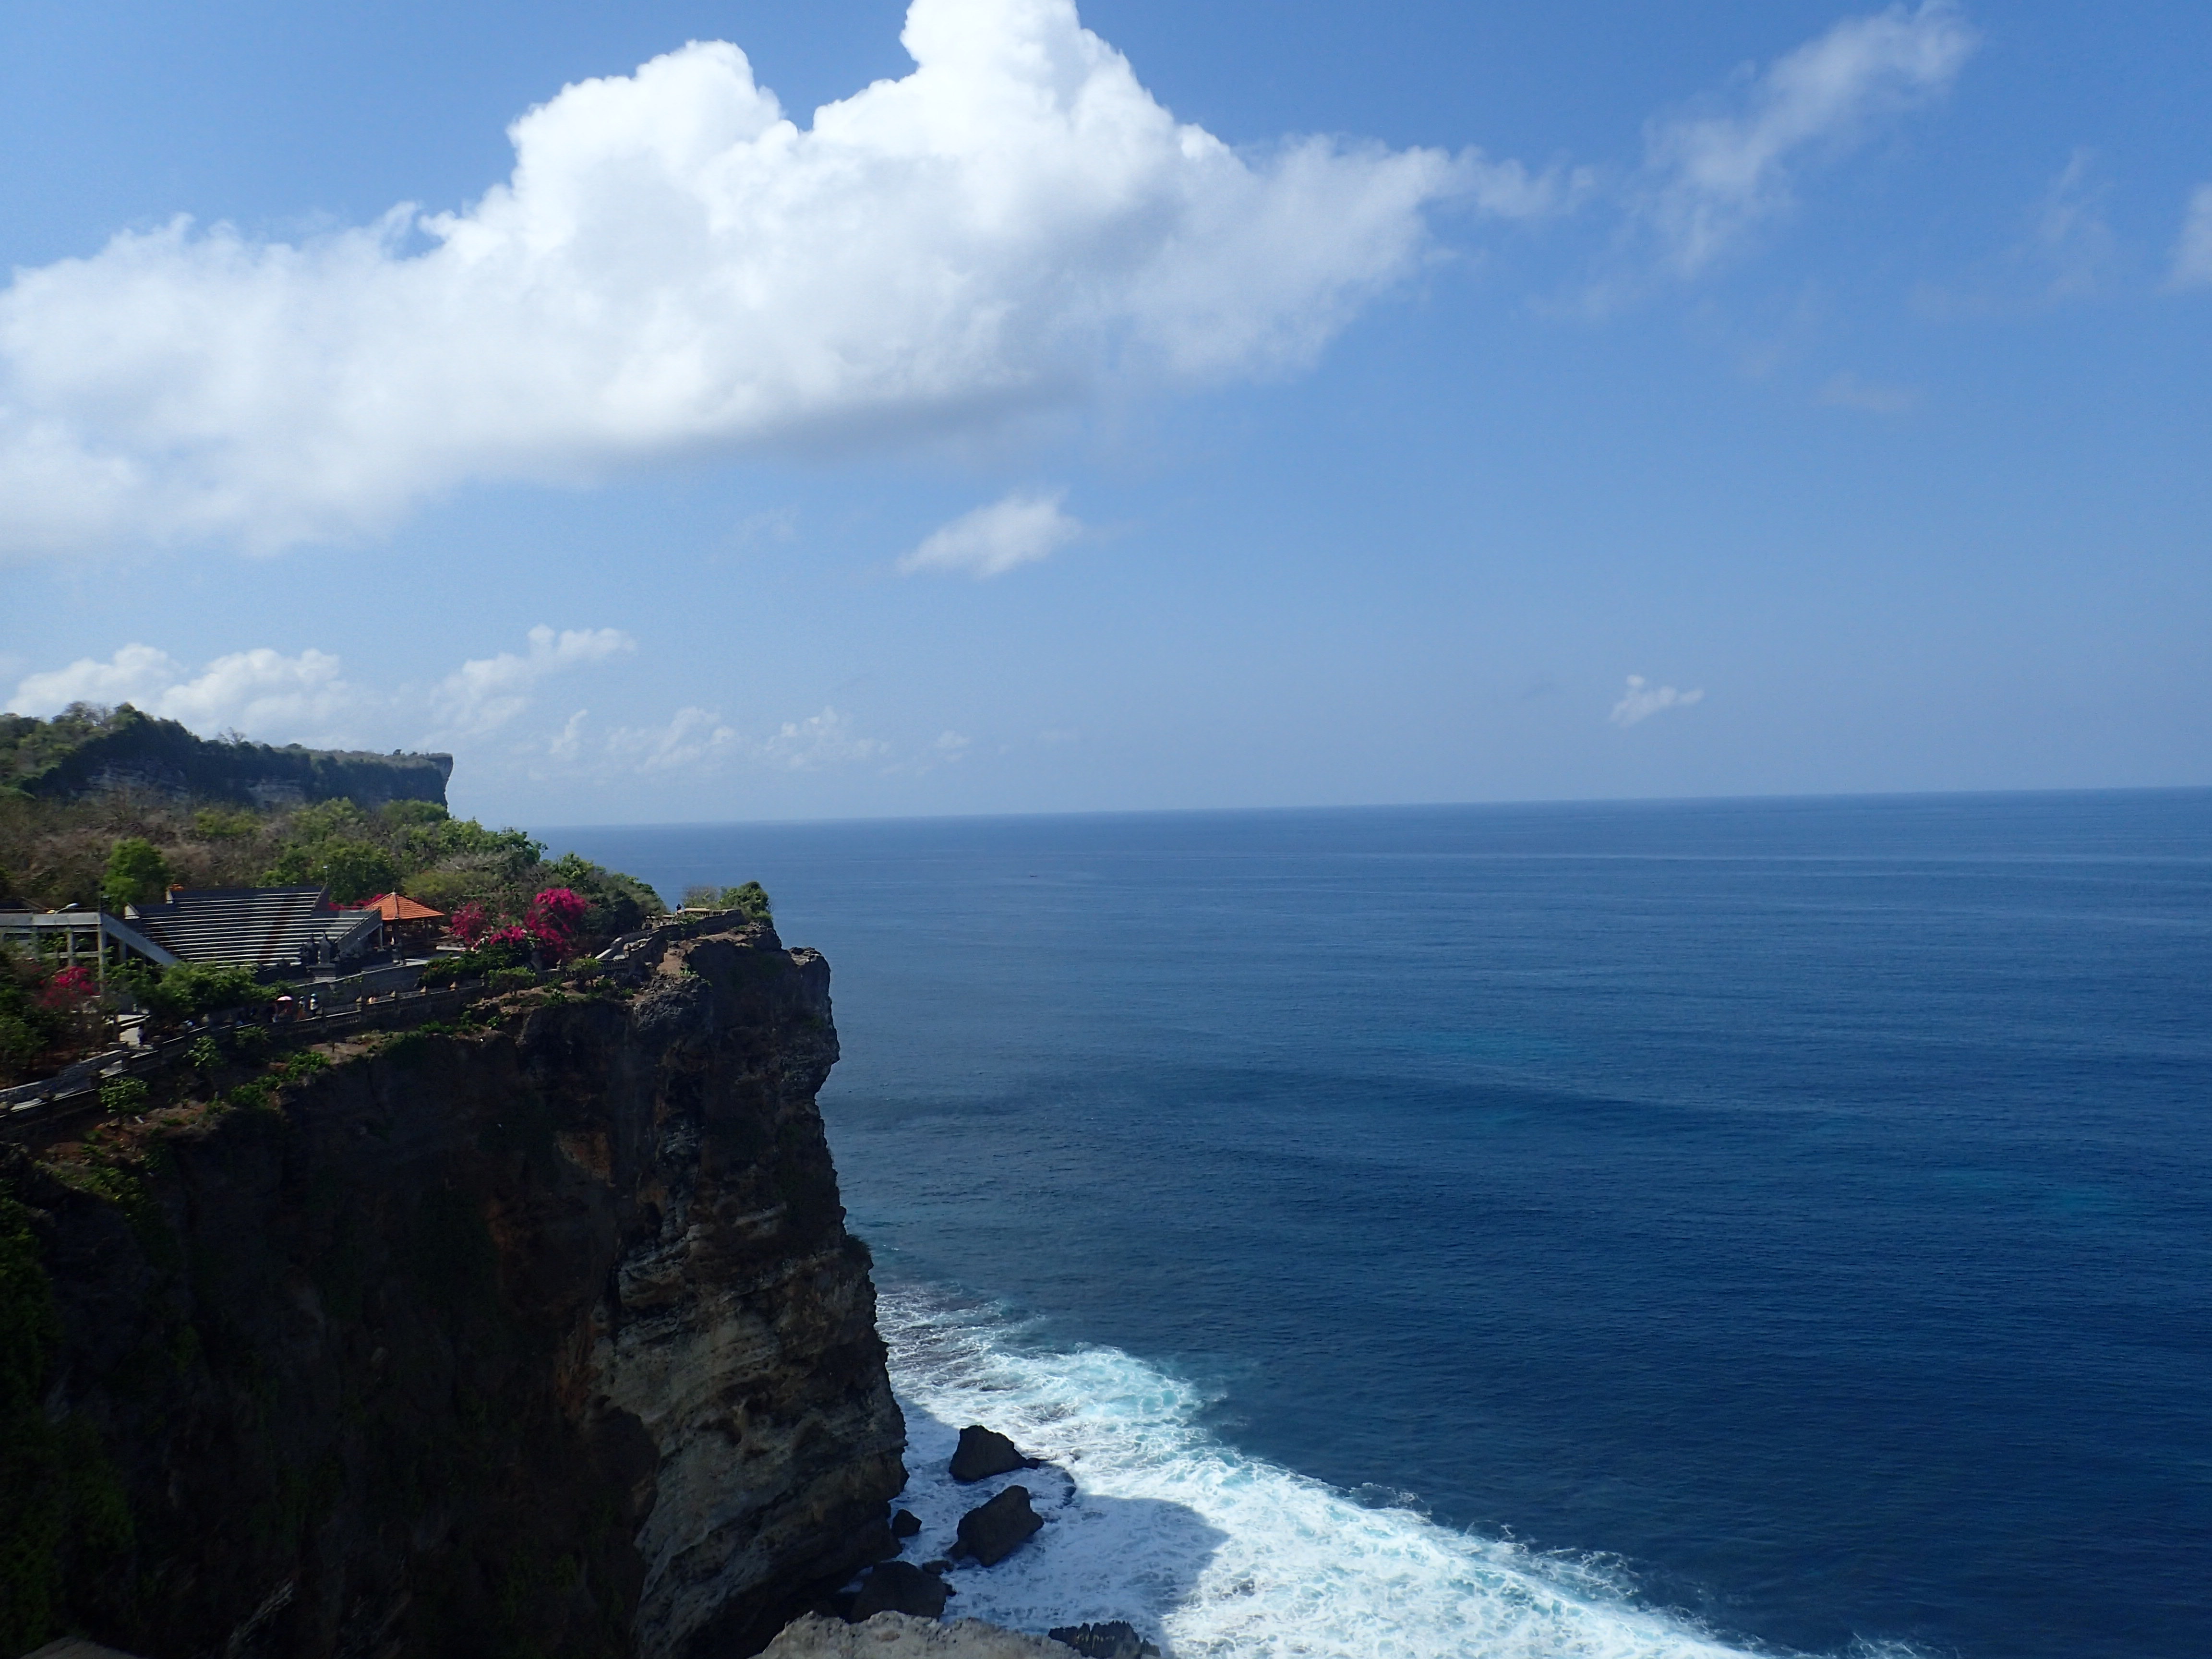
column 398, row 907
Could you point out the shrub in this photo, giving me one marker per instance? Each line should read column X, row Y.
column 750, row 901
column 204, row 1055
column 510, row 979
column 352, row 870
column 225, row 822
column 511, row 951
column 69, row 988
column 407, row 814
column 300, row 1066
column 30, row 1028
column 556, row 915
column 454, row 891
column 137, row 873
column 192, row 988
column 120, row 1095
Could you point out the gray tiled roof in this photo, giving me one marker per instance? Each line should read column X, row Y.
column 255, row 926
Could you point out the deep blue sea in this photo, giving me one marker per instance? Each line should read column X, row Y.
column 1594, row 1230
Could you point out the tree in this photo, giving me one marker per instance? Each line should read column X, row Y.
column 356, row 870
column 352, row 870
column 137, row 873
column 750, row 900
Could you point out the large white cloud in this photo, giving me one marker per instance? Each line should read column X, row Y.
column 306, row 698
column 674, row 266
column 262, row 691
column 1712, row 176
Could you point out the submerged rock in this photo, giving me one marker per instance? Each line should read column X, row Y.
column 1117, row 1640
column 899, row 1587
column 982, row 1454
column 993, row 1531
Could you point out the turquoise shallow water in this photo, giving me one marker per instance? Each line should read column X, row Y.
column 1548, row 1229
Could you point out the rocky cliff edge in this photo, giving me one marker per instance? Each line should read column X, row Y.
column 542, row 1336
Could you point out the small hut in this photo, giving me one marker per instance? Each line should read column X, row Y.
column 409, row 924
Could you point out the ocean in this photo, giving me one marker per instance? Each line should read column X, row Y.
column 1771, row 1226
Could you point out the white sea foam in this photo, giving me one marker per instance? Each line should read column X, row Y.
column 1151, row 1519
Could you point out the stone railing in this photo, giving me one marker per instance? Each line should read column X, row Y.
column 30, row 1106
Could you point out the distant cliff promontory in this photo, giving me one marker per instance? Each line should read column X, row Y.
column 85, row 750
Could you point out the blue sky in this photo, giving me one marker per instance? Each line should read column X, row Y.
column 1243, row 404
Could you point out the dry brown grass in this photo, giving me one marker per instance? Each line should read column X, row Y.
column 52, row 853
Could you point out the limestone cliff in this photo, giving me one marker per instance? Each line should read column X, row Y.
column 540, row 1336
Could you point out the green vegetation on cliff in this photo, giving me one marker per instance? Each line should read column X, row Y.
column 126, row 847
column 122, row 844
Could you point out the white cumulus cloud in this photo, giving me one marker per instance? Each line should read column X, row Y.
column 263, row 692
column 674, row 265
column 2192, row 255
column 1712, row 177
column 1019, row 530
column 485, row 693
column 1641, row 701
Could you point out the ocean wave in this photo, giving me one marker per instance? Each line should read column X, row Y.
column 1210, row 1552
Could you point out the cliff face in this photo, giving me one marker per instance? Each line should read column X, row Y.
column 543, row 1339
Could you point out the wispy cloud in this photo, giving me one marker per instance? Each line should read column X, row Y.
column 1017, row 530
column 2192, row 254
column 1641, row 701
column 700, row 740
column 692, row 738
column 822, row 741
column 1847, row 390
column 1712, row 178
column 485, row 693
column 2071, row 242
column 2066, row 250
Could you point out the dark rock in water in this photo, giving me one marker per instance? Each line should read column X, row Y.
column 940, row 1566
column 982, row 1454
column 905, row 1524
column 1117, row 1640
column 995, row 1530
column 898, row 1587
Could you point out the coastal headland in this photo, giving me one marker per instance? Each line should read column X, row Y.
column 536, row 1331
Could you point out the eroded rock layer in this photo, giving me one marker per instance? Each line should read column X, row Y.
column 542, row 1338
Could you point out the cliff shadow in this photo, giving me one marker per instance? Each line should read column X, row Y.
column 1095, row 1559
